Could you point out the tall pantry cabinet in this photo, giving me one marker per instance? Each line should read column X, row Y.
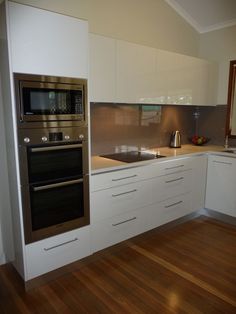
column 40, row 42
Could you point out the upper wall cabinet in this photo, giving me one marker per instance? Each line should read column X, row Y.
column 185, row 80
column 136, row 73
column 40, row 44
column 124, row 72
column 102, row 68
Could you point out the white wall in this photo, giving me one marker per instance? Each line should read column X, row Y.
column 150, row 22
column 220, row 45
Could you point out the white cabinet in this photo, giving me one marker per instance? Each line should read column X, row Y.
column 43, row 42
column 102, row 68
column 221, row 183
column 136, row 73
column 128, row 202
column 49, row 254
column 185, row 80
column 125, row 72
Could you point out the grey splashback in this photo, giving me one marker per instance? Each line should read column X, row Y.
column 131, row 125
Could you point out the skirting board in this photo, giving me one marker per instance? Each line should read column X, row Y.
column 2, row 259
column 219, row 216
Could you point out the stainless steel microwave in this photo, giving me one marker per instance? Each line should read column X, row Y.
column 50, row 100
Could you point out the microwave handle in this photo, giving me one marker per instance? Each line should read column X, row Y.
column 51, row 148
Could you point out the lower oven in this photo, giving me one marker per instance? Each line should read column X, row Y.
column 54, row 181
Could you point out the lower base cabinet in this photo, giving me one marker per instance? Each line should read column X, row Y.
column 221, row 183
column 52, row 253
column 174, row 188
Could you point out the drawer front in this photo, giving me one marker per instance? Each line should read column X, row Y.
column 114, row 230
column 115, row 201
column 174, row 208
column 49, row 254
column 166, row 167
column 177, row 183
column 170, row 185
column 116, row 178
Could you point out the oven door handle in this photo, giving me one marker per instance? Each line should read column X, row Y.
column 56, row 185
column 50, row 148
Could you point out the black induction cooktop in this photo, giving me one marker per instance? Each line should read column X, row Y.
column 132, row 156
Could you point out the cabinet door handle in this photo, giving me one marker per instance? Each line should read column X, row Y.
column 222, row 162
column 123, row 193
column 61, row 244
column 129, row 177
column 177, row 179
column 123, row 222
column 174, row 167
column 174, row 204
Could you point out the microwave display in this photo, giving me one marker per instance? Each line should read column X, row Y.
column 39, row 101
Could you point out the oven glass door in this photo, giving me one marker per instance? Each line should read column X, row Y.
column 56, row 203
column 55, row 162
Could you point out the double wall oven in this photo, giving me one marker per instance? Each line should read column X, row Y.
column 53, row 154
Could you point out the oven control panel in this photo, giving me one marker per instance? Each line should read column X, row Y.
column 43, row 136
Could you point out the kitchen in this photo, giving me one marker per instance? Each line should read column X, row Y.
column 151, row 34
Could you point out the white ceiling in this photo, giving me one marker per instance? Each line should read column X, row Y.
column 206, row 15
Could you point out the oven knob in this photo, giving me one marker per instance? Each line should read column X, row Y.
column 67, row 137
column 44, row 139
column 81, row 136
column 26, row 139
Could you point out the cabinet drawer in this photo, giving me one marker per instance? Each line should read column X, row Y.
column 172, row 166
column 174, row 208
column 114, row 230
column 49, row 254
column 116, row 178
column 121, row 199
column 177, row 183
column 170, row 185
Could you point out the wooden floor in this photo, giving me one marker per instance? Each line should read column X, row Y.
column 190, row 268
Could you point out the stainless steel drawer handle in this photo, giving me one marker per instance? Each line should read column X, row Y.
column 61, row 244
column 174, row 167
column 123, row 222
column 222, row 162
column 174, row 204
column 177, row 179
column 51, row 148
column 123, row 193
column 56, row 185
column 129, row 177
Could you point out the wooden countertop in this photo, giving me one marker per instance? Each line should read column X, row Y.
column 101, row 164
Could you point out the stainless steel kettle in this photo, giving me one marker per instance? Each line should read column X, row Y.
column 175, row 139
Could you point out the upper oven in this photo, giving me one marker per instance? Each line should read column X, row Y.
column 46, row 100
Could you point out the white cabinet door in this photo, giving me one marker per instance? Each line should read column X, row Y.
column 221, row 184
column 102, row 69
column 43, row 42
column 185, row 80
column 199, row 182
column 136, row 71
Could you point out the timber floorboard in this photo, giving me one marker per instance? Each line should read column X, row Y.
column 190, row 268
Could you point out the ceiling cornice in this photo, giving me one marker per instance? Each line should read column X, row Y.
column 180, row 10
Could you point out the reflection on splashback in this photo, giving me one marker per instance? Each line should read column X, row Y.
column 134, row 125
